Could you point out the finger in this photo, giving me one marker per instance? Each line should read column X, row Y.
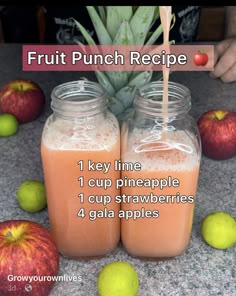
column 220, row 48
column 230, row 75
column 226, row 61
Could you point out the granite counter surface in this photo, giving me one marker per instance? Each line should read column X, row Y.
column 200, row 270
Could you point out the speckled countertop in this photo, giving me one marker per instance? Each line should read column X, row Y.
column 200, row 270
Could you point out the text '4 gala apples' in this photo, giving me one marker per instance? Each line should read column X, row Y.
column 26, row 249
column 218, row 134
column 22, row 98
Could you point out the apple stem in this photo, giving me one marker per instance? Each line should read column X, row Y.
column 10, row 236
column 21, row 87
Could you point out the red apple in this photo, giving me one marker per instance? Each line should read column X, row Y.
column 200, row 58
column 22, row 98
column 218, row 134
column 27, row 254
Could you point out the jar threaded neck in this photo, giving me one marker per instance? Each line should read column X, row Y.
column 149, row 99
column 78, row 98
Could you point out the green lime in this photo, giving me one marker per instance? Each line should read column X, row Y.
column 31, row 196
column 118, row 278
column 8, row 125
column 219, row 230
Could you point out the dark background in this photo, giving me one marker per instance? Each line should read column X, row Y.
column 30, row 24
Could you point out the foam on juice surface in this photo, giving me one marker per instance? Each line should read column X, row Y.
column 169, row 159
column 87, row 133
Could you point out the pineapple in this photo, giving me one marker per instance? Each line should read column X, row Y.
column 122, row 25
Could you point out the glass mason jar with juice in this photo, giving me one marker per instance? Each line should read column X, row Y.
column 164, row 139
column 80, row 142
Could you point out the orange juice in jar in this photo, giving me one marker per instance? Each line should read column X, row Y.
column 162, row 194
column 79, row 145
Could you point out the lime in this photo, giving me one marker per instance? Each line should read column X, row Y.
column 8, row 125
column 118, row 279
column 31, row 196
column 219, row 230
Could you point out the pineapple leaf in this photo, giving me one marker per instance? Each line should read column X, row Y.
column 101, row 31
column 155, row 35
column 125, row 12
column 156, row 15
column 141, row 22
column 84, row 32
column 116, row 106
column 112, row 21
column 174, row 20
column 123, row 99
column 105, row 83
column 126, row 94
column 102, row 14
column 118, row 78
column 124, row 35
column 82, row 46
column 115, row 16
column 140, row 79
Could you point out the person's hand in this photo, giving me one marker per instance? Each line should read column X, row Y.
column 225, row 60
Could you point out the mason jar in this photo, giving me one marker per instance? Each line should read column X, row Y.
column 158, row 199
column 80, row 142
